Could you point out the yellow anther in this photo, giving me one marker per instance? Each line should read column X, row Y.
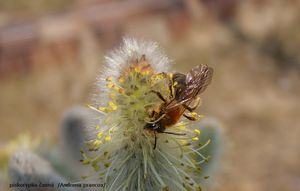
column 156, row 77
column 196, row 115
column 183, row 142
column 101, row 110
column 137, row 69
column 99, row 135
column 112, row 105
column 118, row 89
column 197, row 131
column 110, row 85
column 181, row 127
column 109, row 79
column 107, row 138
column 85, row 162
column 121, row 80
column 97, row 127
column 104, row 109
column 109, row 109
column 146, row 72
column 161, row 76
column 97, row 143
column 195, row 138
column 96, row 167
column 121, row 91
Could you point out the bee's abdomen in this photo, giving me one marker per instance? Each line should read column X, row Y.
column 172, row 116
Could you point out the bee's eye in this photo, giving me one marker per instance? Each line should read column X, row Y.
column 152, row 125
column 149, row 125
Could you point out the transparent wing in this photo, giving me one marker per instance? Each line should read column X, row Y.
column 196, row 82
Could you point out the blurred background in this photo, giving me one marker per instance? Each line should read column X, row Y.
column 52, row 50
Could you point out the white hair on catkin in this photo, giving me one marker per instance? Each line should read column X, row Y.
column 124, row 152
column 119, row 59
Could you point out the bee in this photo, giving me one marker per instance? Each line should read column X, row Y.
column 184, row 90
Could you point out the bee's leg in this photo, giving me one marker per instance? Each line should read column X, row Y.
column 190, row 117
column 162, row 130
column 171, row 85
column 190, row 109
column 155, row 140
column 152, row 114
column 171, row 89
column 159, row 95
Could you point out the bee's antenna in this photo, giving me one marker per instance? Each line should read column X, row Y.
column 152, row 122
column 172, row 133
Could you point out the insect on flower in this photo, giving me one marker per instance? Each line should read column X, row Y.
column 184, row 90
column 138, row 100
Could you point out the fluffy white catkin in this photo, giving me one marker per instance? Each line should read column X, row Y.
column 121, row 151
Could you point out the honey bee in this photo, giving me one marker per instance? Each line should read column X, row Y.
column 184, row 90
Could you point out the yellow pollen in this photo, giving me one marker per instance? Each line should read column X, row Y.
column 96, row 167
column 110, row 85
column 146, row 72
column 85, row 162
column 102, row 109
column 137, row 69
column 195, row 138
column 99, row 135
column 181, row 126
column 107, row 138
column 109, row 79
column 121, row 80
column 196, row 115
column 97, row 143
column 97, row 127
column 183, row 142
column 197, row 131
column 156, row 77
column 118, row 89
column 112, row 105
column 121, row 91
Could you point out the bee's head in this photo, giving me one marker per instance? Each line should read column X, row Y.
column 150, row 126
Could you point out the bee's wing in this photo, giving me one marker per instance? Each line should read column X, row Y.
column 196, row 82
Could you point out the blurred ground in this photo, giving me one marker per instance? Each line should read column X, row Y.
column 253, row 47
